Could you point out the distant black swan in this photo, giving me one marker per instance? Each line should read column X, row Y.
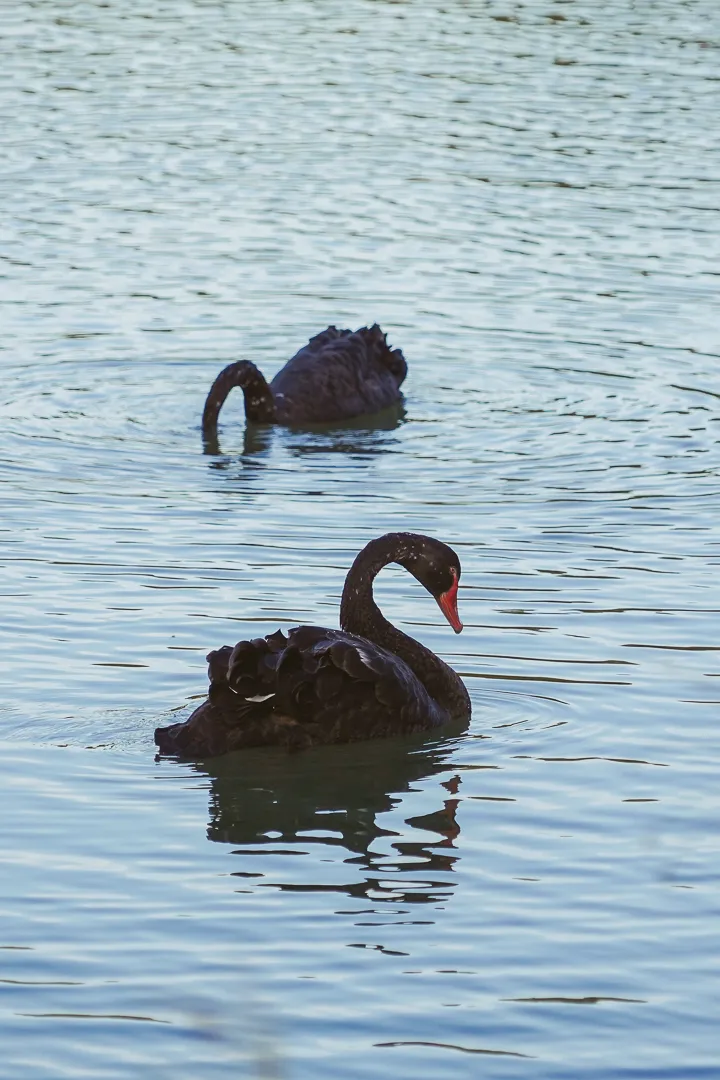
column 334, row 686
column 339, row 374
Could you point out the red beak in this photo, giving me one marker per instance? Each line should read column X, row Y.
column 448, row 605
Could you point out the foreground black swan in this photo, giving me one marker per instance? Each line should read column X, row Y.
column 334, row 686
column 338, row 375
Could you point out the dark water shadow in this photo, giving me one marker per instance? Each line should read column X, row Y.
column 267, row 801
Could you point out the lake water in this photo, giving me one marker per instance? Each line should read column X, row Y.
column 525, row 197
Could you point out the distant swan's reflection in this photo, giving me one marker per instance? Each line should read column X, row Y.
column 257, row 440
column 363, row 435
column 269, row 802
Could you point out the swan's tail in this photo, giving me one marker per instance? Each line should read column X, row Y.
column 368, row 339
column 376, row 344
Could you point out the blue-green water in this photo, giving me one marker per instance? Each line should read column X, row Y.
column 525, row 197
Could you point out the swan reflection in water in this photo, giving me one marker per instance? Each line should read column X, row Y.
column 257, row 442
column 364, row 436
column 267, row 801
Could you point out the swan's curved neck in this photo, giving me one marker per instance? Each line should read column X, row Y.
column 259, row 404
column 359, row 614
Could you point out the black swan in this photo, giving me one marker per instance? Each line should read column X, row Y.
column 338, row 375
column 334, row 686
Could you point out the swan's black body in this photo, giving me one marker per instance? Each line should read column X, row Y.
column 338, row 375
column 329, row 686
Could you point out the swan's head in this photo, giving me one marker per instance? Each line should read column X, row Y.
column 448, row 601
column 437, row 567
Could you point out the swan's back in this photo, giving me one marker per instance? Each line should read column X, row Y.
column 312, row 687
column 338, row 375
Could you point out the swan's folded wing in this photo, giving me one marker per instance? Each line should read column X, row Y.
column 313, row 686
column 349, row 687
column 365, row 360
column 339, row 374
column 335, row 686
column 314, row 671
column 248, row 668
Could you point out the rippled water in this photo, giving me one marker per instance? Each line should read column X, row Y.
column 525, row 197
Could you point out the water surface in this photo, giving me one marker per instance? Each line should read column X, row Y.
column 525, row 197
